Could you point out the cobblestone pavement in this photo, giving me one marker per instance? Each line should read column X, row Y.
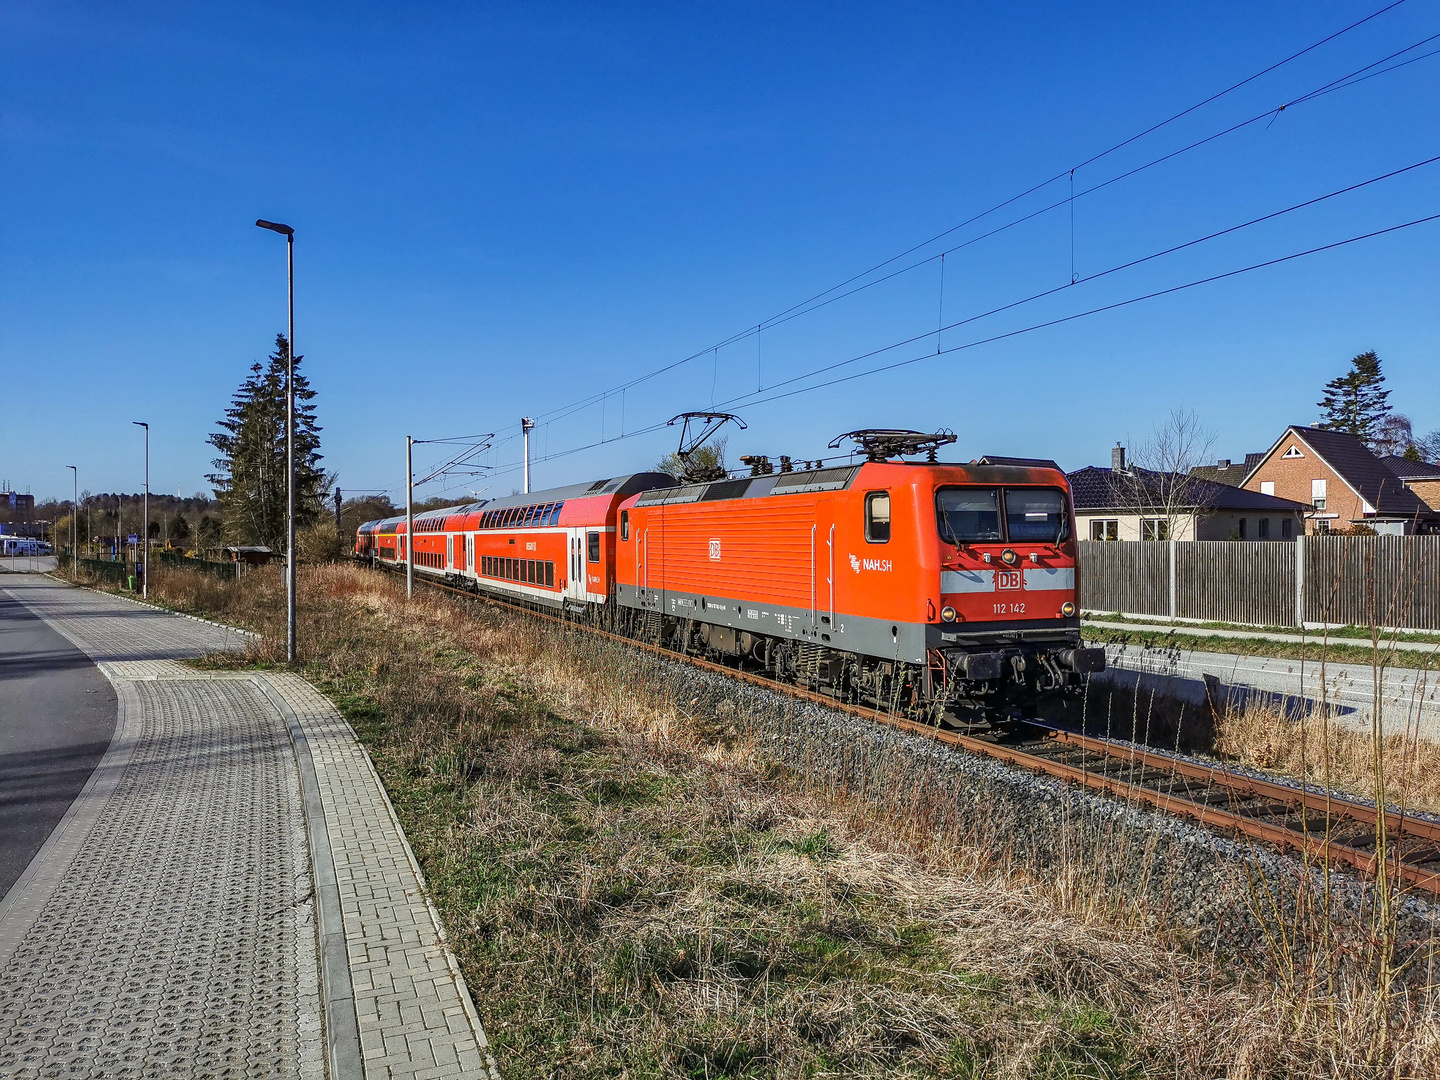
column 176, row 923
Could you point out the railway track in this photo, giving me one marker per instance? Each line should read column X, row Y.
column 1330, row 830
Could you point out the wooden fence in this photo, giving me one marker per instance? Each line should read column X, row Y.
column 1336, row 580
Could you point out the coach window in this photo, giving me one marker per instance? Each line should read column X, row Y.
column 550, row 574
column 624, row 524
column 877, row 517
column 592, row 542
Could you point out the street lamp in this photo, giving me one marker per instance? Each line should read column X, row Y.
column 145, row 530
column 289, row 234
column 75, row 524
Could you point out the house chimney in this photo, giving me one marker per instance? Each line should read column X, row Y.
column 1117, row 458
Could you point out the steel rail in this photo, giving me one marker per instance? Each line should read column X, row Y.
column 1309, row 842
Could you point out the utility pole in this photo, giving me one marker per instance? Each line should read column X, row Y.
column 409, row 519
column 526, row 424
column 145, row 528
column 75, row 523
column 339, row 532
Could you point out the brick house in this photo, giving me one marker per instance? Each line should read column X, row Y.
column 1421, row 477
column 1344, row 483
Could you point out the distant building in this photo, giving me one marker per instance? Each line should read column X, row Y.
column 17, row 504
column 1121, row 503
column 1226, row 471
column 1421, row 477
column 1344, row 483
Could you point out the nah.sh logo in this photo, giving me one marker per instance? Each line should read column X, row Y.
column 1007, row 579
column 854, row 563
column 714, row 549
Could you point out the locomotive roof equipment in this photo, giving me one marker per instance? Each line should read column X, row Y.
column 882, row 444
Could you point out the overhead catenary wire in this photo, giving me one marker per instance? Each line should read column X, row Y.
column 771, row 397
column 560, row 412
column 1130, row 264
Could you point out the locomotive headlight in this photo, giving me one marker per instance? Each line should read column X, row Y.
column 947, row 613
column 1067, row 609
column 1008, row 557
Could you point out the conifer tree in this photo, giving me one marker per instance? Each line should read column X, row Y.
column 249, row 475
column 1356, row 401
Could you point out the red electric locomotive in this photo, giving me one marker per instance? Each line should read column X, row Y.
column 938, row 590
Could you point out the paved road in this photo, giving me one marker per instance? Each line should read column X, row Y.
column 27, row 564
column 1410, row 697
column 57, row 714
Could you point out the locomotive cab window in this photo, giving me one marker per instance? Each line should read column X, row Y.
column 877, row 517
column 592, row 543
column 1035, row 515
column 968, row 515
column 624, row 524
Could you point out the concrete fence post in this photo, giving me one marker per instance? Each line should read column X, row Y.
column 1300, row 581
column 1174, row 592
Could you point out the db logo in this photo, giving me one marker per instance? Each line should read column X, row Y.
column 1007, row 579
column 714, row 549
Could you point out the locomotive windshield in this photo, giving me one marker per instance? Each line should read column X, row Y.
column 1035, row 515
column 968, row 515
column 973, row 515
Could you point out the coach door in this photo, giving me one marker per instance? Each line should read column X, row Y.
column 575, row 577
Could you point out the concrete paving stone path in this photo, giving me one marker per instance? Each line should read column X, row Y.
column 230, row 895
column 1315, row 638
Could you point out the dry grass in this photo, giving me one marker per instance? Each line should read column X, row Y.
column 1261, row 734
column 636, row 889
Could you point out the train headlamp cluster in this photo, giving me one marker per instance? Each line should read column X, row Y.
column 947, row 613
column 1067, row 609
column 1008, row 557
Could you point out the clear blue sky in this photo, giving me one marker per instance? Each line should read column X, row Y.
column 503, row 208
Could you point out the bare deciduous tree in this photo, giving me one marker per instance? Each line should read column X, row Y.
column 1158, row 484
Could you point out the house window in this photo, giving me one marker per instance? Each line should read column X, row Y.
column 1317, row 494
column 1243, row 523
column 1287, row 529
column 1293, row 452
column 1154, row 529
column 877, row 517
column 592, row 543
column 1105, row 530
column 1322, row 526
column 1262, row 529
column 1267, row 487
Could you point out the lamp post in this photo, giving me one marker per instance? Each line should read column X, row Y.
column 526, row 424
column 289, row 234
column 75, row 524
column 145, row 529
column 409, row 517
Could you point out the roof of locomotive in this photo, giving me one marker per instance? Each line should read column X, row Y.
column 838, row 478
